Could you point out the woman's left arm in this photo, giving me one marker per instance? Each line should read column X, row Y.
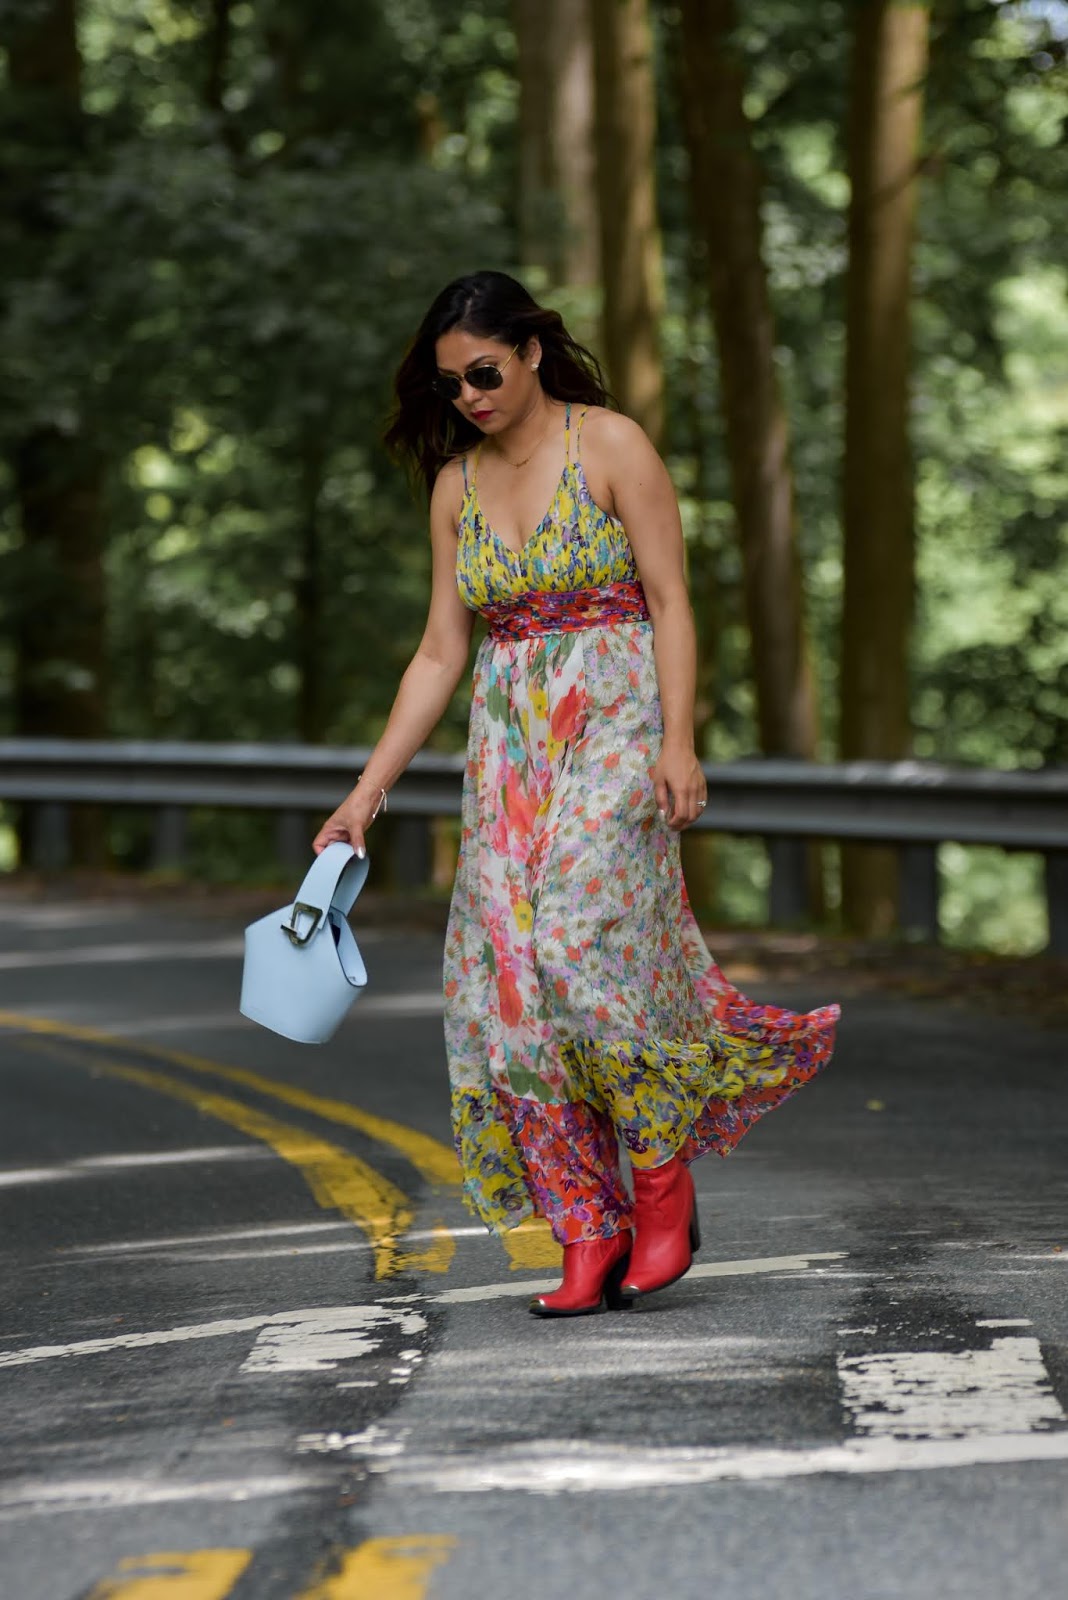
column 642, row 497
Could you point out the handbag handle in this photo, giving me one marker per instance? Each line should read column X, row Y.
column 333, row 881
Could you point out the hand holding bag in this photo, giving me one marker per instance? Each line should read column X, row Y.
column 303, row 968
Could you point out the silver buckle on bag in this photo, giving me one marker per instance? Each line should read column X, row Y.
column 290, row 928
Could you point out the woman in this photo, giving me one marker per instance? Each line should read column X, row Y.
column 582, row 1006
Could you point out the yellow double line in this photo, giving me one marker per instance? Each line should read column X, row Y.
column 387, row 1569
column 337, row 1178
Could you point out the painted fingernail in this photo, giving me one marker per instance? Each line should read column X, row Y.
column 361, row 853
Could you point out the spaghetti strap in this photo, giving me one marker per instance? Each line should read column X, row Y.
column 567, row 433
column 578, row 430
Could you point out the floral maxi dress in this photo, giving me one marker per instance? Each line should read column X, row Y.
column 581, row 1004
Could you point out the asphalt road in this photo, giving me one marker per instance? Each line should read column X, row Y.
column 207, row 1392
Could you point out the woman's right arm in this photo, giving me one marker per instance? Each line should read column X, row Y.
column 429, row 682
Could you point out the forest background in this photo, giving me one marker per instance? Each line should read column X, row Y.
column 819, row 243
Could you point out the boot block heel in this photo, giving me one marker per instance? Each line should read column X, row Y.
column 615, row 1298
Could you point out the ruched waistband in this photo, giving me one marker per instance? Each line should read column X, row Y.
column 567, row 611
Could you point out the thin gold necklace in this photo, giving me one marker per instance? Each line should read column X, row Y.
column 540, row 441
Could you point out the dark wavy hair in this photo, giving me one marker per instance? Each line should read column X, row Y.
column 426, row 431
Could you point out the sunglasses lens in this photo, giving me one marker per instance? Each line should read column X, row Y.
column 482, row 378
column 485, row 378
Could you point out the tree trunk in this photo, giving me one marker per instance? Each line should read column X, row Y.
column 60, row 667
column 726, row 202
column 889, row 63
column 220, row 38
column 60, row 632
column 557, row 191
column 699, row 850
column 699, row 855
column 726, row 193
column 625, row 123
column 308, row 594
column 219, row 41
column 43, row 56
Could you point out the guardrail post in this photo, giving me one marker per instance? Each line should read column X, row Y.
column 412, row 852
column 49, row 829
column 170, row 835
column 919, row 891
column 1057, row 901
column 788, row 892
column 292, row 841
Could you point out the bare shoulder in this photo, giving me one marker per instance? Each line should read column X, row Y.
column 617, row 455
column 615, row 441
column 612, row 429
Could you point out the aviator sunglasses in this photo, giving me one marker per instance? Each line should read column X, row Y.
column 449, row 387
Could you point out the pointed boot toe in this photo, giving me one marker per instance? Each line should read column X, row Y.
column 593, row 1273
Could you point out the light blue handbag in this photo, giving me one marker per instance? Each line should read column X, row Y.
column 303, row 968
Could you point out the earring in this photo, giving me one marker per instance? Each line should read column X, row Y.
column 533, row 366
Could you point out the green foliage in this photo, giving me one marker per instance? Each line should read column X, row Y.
column 224, row 266
column 991, row 392
column 220, row 303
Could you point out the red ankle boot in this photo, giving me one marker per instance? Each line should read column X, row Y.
column 666, row 1228
column 592, row 1272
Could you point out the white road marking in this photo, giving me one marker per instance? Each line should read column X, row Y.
column 46, row 1497
column 87, row 955
column 316, row 1341
column 16, row 1177
column 340, row 1247
column 623, row 1355
column 417, row 1003
column 167, row 1247
column 35, row 914
column 139, row 1027
column 224, row 1328
column 275, row 1231
column 569, row 1466
column 794, row 1216
column 374, row 1443
column 913, row 1411
column 175, row 1241
column 1004, row 1322
column 938, row 1394
column 420, row 1002
column 317, row 1325
column 86, row 1166
column 300, row 1323
column 703, row 1269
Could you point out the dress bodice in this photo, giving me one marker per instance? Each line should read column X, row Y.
column 576, row 545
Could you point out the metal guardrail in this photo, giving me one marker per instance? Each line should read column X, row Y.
column 915, row 805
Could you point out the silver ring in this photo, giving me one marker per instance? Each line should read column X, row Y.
column 701, row 804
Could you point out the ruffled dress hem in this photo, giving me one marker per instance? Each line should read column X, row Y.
column 523, row 1157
